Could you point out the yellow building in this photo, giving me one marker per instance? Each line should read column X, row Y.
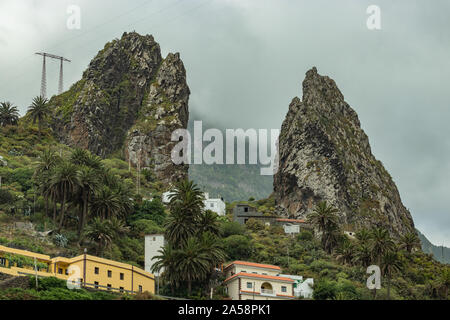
column 254, row 281
column 90, row 271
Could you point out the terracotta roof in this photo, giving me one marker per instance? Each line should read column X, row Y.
column 253, row 264
column 245, row 291
column 292, row 220
column 254, row 275
column 285, row 295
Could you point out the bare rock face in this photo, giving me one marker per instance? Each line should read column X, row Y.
column 325, row 155
column 165, row 110
column 129, row 99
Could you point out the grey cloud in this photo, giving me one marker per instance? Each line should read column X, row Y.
column 246, row 60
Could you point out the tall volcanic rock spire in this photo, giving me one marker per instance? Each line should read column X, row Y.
column 325, row 155
column 129, row 100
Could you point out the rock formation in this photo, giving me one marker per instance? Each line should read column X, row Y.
column 325, row 155
column 129, row 100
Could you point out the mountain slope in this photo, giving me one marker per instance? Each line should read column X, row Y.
column 128, row 101
column 325, row 155
column 440, row 253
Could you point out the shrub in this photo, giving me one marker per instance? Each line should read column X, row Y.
column 6, row 197
column 149, row 210
column 238, row 247
column 324, row 290
column 60, row 240
column 255, row 225
column 142, row 227
column 305, row 236
column 230, row 228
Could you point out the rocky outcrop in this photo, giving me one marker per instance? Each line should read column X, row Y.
column 325, row 155
column 165, row 110
column 129, row 99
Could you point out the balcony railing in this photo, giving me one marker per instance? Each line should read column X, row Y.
column 267, row 291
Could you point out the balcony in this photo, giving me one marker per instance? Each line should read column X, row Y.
column 267, row 292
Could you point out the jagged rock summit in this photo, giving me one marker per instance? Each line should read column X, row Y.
column 325, row 155
column 129, row 100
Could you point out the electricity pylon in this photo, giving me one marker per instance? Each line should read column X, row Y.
column 44, row 73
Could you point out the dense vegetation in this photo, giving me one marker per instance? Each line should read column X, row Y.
column 93, row 203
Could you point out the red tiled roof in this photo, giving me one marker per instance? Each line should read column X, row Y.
column 253, row 264
column 292, row 220
column 254, row 275
column 245, row 291
column 285, row 295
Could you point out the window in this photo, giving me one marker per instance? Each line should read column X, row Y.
column 96, row 284
column 121, row 289
column 67, row 272
column 109, row 286
column 249, row 285
column 154, row 238
column 264, row 274
column 211, row 205
column 121, row 276
column 283, row 289
column 255, row 272
column 109, row 273
column 140, row 289
column 246, row 209
column 2, row 261
column 59, row 270
column 96, row 271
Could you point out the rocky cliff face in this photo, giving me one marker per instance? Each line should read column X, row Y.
column 129, row 100
column 325, row 155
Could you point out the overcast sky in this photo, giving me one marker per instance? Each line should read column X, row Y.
column 246, row 60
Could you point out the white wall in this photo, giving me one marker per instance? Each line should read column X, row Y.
column 216, row 205
column 153, row 243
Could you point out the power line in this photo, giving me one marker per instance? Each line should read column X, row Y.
column 95, row 27
column 114, row 19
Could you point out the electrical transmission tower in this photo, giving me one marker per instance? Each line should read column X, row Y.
column 44, row 73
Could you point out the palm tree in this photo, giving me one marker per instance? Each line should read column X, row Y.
column 167, row 260
column 118, row 227
column 381, row 243
column 363, row 254
column 48, row 160
column 363, row 235
column 212, row 246
column 187, row 197
column 409, row 241
column 186, row 209
column 179, row 228
column 88, row 185
column 9, row 114
column 105, row 203
column 124, row 194
column 39, row 110
column 345, row 252
column 100, row 232
column 208, row 223
column 65, row 180
column 193, row 264
column 325, row 219
column 390, row 263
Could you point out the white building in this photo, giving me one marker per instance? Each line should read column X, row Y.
column 215, row 205
column 302, row 288
column 255, row 281
column 153, row 243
